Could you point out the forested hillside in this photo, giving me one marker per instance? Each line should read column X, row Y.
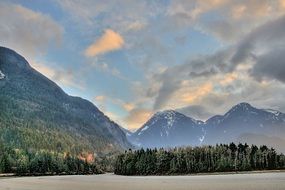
column 35, row 162
column 36, row 114
column 188, row 160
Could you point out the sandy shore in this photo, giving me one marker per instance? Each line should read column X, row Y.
column 250, row 181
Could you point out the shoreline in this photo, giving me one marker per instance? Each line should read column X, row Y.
column 210, row 173
column 11, row 175
column 109, row 181
column 229, row 173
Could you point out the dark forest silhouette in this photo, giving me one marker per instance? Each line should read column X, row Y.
column 187, row 160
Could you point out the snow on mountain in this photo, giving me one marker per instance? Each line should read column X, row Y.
column 168, row 116
column 143, row 129
column 2, row 76
column 170, row 128
column 126, row 131
column 275, row 112
column 244, row 118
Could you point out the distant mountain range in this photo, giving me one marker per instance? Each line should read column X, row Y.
column 242, row 123
column 35, row 113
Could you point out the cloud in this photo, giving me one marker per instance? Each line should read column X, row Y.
column 134, row 116
column 100, row 98
column 189, row 96
column 242, row 89
column 102, row 66
column 228, row 78
column 196, row 112
column 195, row 70
column 149, row 50
column 282, row 4
column 167, row 89
column 189, row 93
column 210, row 80
column 137, row 25
column 123, row 16
column 26, row 31
column 262, row 38
column 134, row 20
column 128, row 106
column 137, row 117
column 43, row 69
column 100, row 102
column 246, row 30
column 191, row 10
column 59, row 75
column 114, row 117
column 254, row 48
column 237, row 18
column 30, row 34
column 251, row 9
column 110, row 41
column 224, row 30
column 270, row 65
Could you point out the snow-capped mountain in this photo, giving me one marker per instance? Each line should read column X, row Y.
column 244, row 119
column 171, row 128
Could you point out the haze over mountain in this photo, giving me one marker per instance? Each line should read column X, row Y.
column 242, row 123
column 35, row 113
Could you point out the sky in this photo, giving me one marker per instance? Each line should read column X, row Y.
column 132, row 58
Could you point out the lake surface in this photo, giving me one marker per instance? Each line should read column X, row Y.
column 259, row 181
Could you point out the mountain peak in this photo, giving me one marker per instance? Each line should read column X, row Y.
column 170, row 128
column 166, row 113
column 34, row 97
column 244, row 105
column 170, row 116
column 169, row 113
column 9, row 58
column 241, row 107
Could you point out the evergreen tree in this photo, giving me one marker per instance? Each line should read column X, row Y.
column 188, row 160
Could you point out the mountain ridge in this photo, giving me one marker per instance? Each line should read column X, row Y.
column 33, row 104
column 240, row 119
column 169, row 122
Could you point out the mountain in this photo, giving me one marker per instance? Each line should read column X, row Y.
column 242, row 123
column 169, row 128
column 241, row 119
column 126, row 131
column 36, row 113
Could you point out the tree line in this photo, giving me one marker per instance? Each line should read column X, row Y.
column 188, row 160
column 31, row 162
column 49, row 127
